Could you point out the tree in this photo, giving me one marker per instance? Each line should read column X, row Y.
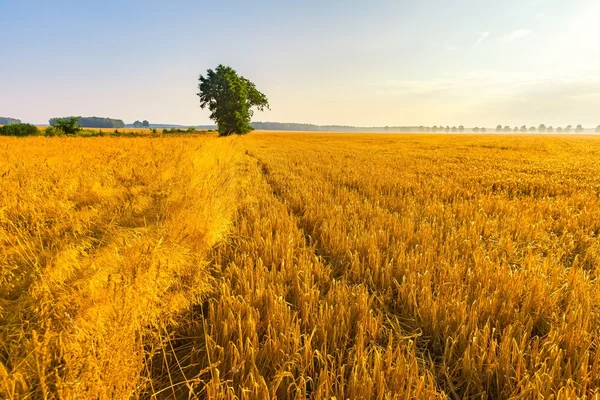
column 475, row 130
column 67, row 125
column 454, row 129
column 598, row 129
column 461, row 129
column 568, row 128
column 137, row 124
column 229, row 98
column 483, row 130
column 533, row 129
column 516, row 130
column 434, row 129
column 550, row 129
column 579, row 129
column 507, row 129
column 524, row 129
column 542, row 128
column 146, row 124
column 559, row 130
column 447, row 129
column 499, row 129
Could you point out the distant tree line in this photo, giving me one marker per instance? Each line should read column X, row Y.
column 9, row 121
column 93, row 122
column 279, row 126
column 540, row 129
column 143, row 124
column 290, row 126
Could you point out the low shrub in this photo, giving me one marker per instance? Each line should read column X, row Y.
column 54, row 131
column 19, row 130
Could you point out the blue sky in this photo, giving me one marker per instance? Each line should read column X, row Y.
column 377, row 62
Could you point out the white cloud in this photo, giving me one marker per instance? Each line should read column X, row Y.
column 483, row 36
column 516, row 35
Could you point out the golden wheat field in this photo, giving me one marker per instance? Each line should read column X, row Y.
column 296, row 266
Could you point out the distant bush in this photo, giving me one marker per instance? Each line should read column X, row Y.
column 19, row 130
column 179, row 130
column 67, row 125
column 54, row 131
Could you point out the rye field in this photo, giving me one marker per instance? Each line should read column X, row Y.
column 297, row 266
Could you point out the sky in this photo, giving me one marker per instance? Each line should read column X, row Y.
column 361, row 63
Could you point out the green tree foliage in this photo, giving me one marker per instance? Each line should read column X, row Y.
column 559, row 130
column 476, row 130
column 579, row 129
column 568, row 128
column 542, row 128
column 18, row 130
column 516, row 129
column 461, row 129
column 68, row 126
column 94, row 122
column 550, row 129
column 598, row 129
column 524, row 128
column 499, row 129
column 138, row 124
column 9, row 121
column 483, row 130
column 230, row 98
column 454, row 129
column 146, row 124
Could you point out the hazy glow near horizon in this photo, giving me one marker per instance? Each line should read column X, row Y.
column 375, row 63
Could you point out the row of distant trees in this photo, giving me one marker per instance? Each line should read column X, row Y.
column 141, row 124
column 9, row 121
column 543, row 129
column 92, row 122
column 507, row 129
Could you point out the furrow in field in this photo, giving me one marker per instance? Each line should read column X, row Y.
column 282, row 325
column 453, row 260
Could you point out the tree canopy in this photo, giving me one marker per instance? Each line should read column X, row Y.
column 68, row 126
column 230, row 98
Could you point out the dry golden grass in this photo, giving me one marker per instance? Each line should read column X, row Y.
column 103, row 242
column 300, row 265
column 109, row 130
